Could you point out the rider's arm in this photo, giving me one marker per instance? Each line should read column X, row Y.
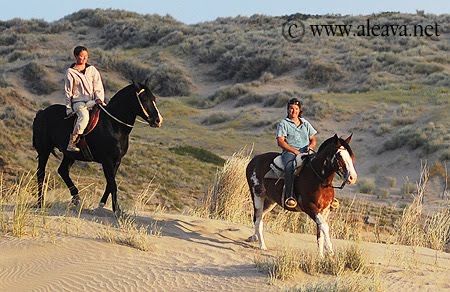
column 312, row 142
column 285, row 146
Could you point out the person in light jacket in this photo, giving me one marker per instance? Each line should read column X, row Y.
column 82, row 85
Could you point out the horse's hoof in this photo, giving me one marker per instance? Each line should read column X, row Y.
column 118, row 213
column 252, row 238
column 76, row 200
column 37, row 205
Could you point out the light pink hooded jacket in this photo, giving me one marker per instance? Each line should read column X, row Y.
column 83, row 87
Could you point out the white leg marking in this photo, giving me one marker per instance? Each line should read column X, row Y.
column 324, row 239
column 259, row 203
column 259, row 225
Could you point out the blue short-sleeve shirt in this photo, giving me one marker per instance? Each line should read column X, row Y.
column 297, row 137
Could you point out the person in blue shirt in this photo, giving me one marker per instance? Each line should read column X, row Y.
column 295, row 135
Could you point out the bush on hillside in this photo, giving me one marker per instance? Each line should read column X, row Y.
column 322, row 73
column 169, row 80
column 141, row 32
column 36, row 79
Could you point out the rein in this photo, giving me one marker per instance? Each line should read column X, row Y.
column 123, row 123
column 323, row 179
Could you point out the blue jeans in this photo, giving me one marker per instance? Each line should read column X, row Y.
column 289, row 167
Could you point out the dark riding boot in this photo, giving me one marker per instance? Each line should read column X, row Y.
column 72, row 146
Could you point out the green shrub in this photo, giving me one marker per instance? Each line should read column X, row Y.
column 224, row 94
column 217, row 118
column 37, row 80
column 169, row 80
column 367, row 186
column 322, row 73
column 199, row 154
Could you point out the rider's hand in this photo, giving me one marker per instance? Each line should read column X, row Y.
column 69, row 111
column 99, row 101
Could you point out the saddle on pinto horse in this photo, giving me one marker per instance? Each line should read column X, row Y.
column 277, row 167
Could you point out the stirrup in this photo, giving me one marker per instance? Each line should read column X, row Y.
column 72, row 148
column 290, row 202
column 334, row 204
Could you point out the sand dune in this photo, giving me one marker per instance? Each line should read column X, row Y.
column 191, row 255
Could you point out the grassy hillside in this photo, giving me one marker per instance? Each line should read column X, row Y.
column 223, row 86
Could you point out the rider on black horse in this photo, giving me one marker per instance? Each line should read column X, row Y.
column 83, row 85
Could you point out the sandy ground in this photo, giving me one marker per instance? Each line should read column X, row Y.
column 191, row 255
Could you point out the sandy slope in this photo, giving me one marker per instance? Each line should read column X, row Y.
column 192, row 255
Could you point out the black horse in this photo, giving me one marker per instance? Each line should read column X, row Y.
column 108, row 141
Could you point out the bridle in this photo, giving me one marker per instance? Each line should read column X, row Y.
column 335, row 165
column 140, row 104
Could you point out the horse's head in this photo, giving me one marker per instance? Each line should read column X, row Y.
column 341, row 157
column 147, row 104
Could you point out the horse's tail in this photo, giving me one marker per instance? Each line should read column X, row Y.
column 40, row 134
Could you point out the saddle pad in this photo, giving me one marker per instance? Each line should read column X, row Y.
column 277, row 167
column 278, row 162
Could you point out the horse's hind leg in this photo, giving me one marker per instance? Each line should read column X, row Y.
column 261, row 207
column 111, row 187
column 63, row 171
column 42, row 163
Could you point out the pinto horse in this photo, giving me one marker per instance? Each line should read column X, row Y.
column 313, row 187
column 108, row 141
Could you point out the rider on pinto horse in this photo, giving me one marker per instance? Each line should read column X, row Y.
column 295, row 135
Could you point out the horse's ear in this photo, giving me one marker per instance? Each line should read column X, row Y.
column 136, row 85
column 335, row 139
column 146, row 82
column 349, row 139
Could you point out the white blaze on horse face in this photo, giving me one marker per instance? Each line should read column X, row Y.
column 348, row 161
column 160, row 118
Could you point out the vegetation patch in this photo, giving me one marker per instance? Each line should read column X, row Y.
column 199, row 154
column 37, row 80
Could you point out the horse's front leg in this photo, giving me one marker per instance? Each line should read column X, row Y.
column 111, row 187
column 323, row 233
column 105, row 196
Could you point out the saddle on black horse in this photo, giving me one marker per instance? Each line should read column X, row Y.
column 81, row 143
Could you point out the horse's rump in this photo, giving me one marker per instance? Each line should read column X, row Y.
column 50, row 128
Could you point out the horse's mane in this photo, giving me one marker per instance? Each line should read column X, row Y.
column 121, row 92
column 330, row 140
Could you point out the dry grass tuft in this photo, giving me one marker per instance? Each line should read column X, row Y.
column 416, row 229
column 229, row 198
column 131, row 234
column 287, row 263
column 354, row 282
